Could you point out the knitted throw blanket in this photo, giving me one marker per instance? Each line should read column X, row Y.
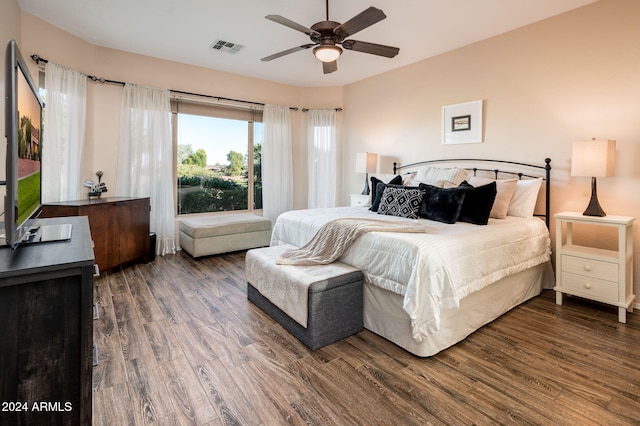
column 334, row 237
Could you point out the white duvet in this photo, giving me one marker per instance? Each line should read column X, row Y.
column 434, row 270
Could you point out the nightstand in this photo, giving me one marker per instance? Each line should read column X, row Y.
column 359, row 200
column 594, row 273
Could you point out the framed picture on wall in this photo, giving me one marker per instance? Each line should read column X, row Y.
column 462, row 123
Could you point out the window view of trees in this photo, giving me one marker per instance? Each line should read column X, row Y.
column 213, row 164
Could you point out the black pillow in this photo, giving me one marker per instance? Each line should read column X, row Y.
column 441, row 204
column 375, row 181
column 377, row 188
column 477, row 203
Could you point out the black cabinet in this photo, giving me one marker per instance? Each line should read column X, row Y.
column 46, row 332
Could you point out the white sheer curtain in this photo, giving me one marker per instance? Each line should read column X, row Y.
column 322, row 158
column 277, row 167
column 64, row 126
column 145, row 165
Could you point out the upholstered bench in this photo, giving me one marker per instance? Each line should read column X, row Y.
column 318, row 304
column 207, row 235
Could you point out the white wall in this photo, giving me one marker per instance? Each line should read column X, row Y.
column 571, row 77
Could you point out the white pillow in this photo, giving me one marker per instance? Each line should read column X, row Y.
column 439, row 183
column 505, row 189
column 434, row 175
column 524, row 199
column 408, row 179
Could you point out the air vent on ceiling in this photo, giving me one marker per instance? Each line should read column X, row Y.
column 226, row 46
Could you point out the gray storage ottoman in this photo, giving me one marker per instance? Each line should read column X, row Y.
column 207, row 235
column 334, row 297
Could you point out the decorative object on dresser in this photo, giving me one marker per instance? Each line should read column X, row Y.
column 119, row 226
column 96, row 189
column 366, row 163
column 594, row 273
column 594, row 158
column 46, row 315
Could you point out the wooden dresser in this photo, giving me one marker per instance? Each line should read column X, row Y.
column 119, row 226
column 46, row 330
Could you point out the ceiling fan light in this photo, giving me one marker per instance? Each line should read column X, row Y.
column 327, row 53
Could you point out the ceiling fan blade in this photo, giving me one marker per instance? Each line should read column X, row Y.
column 372, row 48
column 286, row 52
column 359, row 22
column 329, row 67
column 294, row 25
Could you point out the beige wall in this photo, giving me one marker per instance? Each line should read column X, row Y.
column 9, row 29
column 571, row 77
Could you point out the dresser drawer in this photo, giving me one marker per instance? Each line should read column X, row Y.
column 591, row 288
column 590, row 268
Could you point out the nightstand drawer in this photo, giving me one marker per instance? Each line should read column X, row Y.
column 590, row 268
column 590, row 287
column 358, row 200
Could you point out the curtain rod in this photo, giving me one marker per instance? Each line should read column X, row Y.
column 221, row 98
column 307, row 109
column 37, row 59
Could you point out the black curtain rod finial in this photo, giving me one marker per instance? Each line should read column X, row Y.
column 37, row 59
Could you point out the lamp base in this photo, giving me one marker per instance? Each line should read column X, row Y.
column 594, row 209
column 366, row 190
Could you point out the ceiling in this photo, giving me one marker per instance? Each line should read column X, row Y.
column 184, row 30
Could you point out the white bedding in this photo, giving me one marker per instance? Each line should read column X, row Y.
column 435, row 270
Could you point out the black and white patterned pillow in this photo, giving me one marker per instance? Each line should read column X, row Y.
column 401, row 202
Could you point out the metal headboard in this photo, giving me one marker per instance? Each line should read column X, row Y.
column 529, row 168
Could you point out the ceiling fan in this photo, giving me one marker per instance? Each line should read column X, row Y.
column 327, row 35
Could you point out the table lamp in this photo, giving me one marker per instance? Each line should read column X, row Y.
column 595, row 158
column 366, row 163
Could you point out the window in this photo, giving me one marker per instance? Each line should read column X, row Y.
column 218, row 158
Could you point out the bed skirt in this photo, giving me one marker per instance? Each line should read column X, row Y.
column 383, row 313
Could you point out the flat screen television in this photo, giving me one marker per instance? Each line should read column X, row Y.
column 23, row 126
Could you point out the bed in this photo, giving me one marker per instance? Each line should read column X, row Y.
column 427, row 291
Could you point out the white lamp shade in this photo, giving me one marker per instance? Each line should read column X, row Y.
column 595, row 158
column 366, row 162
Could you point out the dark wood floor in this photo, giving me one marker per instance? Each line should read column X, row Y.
column 180, row 344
